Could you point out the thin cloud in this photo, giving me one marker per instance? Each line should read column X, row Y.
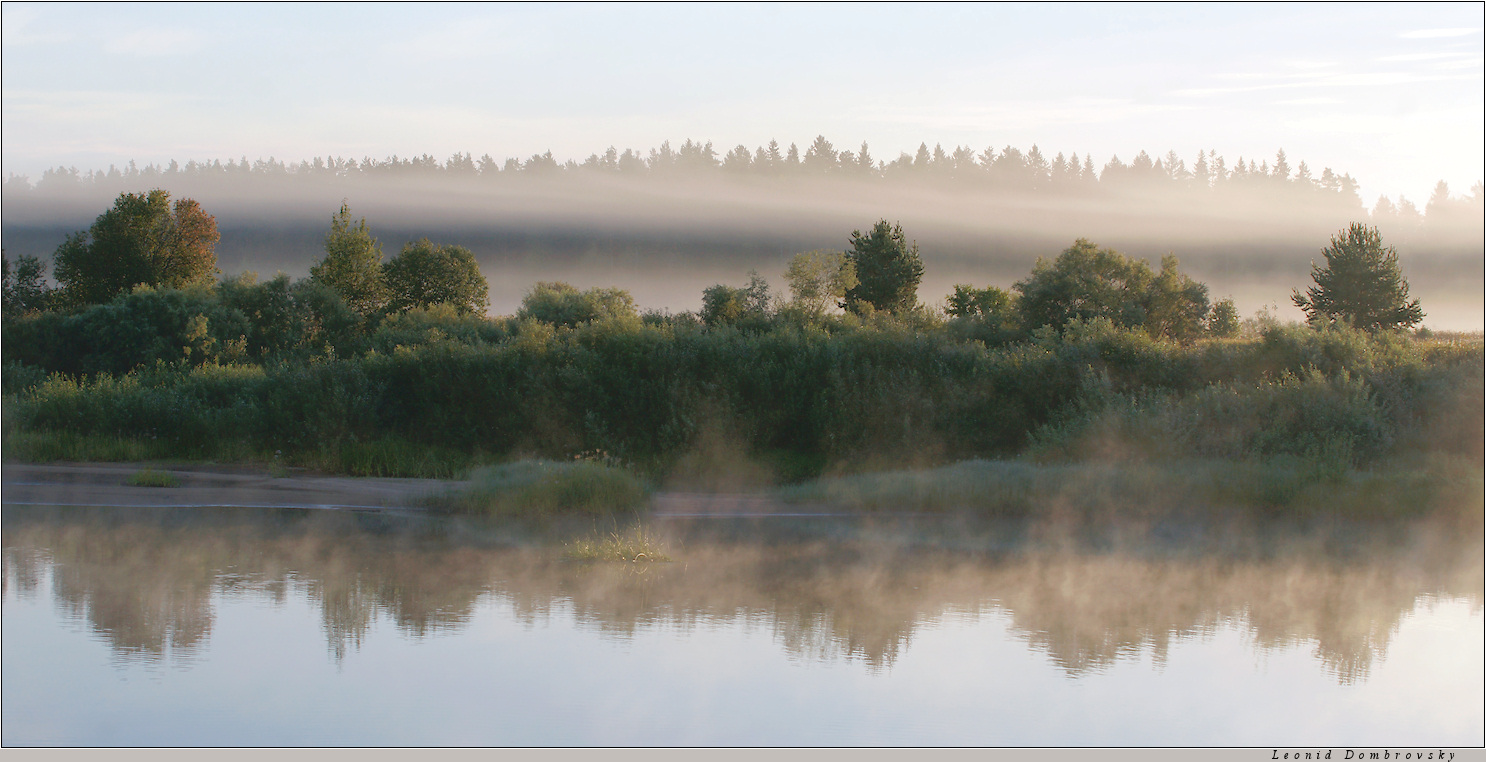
column 1423, row 56
column 1462, row 122
column 1253, row 76
column 1311, row 64
column 470, row 39
column 1365, row 79
column 1422, row 34
column 1473, row 64
column 1025, row 114
column 20, row 29
column 89, row 104
column 157, row 41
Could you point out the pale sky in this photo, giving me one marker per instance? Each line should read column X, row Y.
column 1391, row 93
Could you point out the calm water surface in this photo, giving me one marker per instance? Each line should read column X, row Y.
column 243, row 627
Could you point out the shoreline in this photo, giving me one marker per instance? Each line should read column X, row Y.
column 1130, row 493
column 102, row 485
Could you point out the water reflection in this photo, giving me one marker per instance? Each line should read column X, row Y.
column 145, row 582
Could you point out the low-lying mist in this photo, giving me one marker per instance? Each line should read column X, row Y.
column 666, row 238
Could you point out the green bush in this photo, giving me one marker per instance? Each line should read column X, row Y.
column 439, row 323
column 560, row 304
column 424, row 274
column 840, row 392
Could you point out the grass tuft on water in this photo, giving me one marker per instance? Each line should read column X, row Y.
column 149, row 477
column 542, row 488
column 634, row 546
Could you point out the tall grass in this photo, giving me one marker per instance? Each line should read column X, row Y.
column 633, row 546
column 800, row 399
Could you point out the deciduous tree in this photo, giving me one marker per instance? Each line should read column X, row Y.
column 143, row 239
column 352, row 266
column 1083, row 283
column 819, row 279
column 25, row 288
column 425, row 274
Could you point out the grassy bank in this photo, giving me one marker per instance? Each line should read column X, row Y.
column 796, row 401
column 539, row 489
column 1291, row 487
column 1290, row 419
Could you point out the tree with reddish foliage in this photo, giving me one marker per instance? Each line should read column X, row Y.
column 142, row 240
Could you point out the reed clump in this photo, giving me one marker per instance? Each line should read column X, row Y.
column 149, row 477
column 633, row 546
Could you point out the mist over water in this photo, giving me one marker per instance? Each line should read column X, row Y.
column 1278, row 615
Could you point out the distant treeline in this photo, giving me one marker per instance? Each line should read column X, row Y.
column 1011, row 170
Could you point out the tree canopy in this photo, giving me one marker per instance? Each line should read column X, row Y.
column 143, row 239
column 819, row 279
column 723, row 304
column 1086, row 282
column 1176, row 306
column 25, row 288
column 989, row 303
column 560, row 304
column 1361, row 285
column 352, row 266
column 1083, row 283
column 888, row 269
column 424, row 274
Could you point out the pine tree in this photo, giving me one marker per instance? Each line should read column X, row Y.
column 888, row 269
column 921, row 159
column 776, row 159
column 821, row 156
column 1281, row 170
column 1361, row 285
column 1303, row 176
column 1439, row 202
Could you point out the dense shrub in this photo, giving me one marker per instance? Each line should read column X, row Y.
column 141, row 328
column 560, row 304
column 796, row 393
column 1086, row 283
column 439, row 323
column 239, row 321
column 725, row 305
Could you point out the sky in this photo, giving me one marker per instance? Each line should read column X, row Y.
column 1390, row 93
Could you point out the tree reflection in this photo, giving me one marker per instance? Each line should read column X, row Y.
column 145, row 581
